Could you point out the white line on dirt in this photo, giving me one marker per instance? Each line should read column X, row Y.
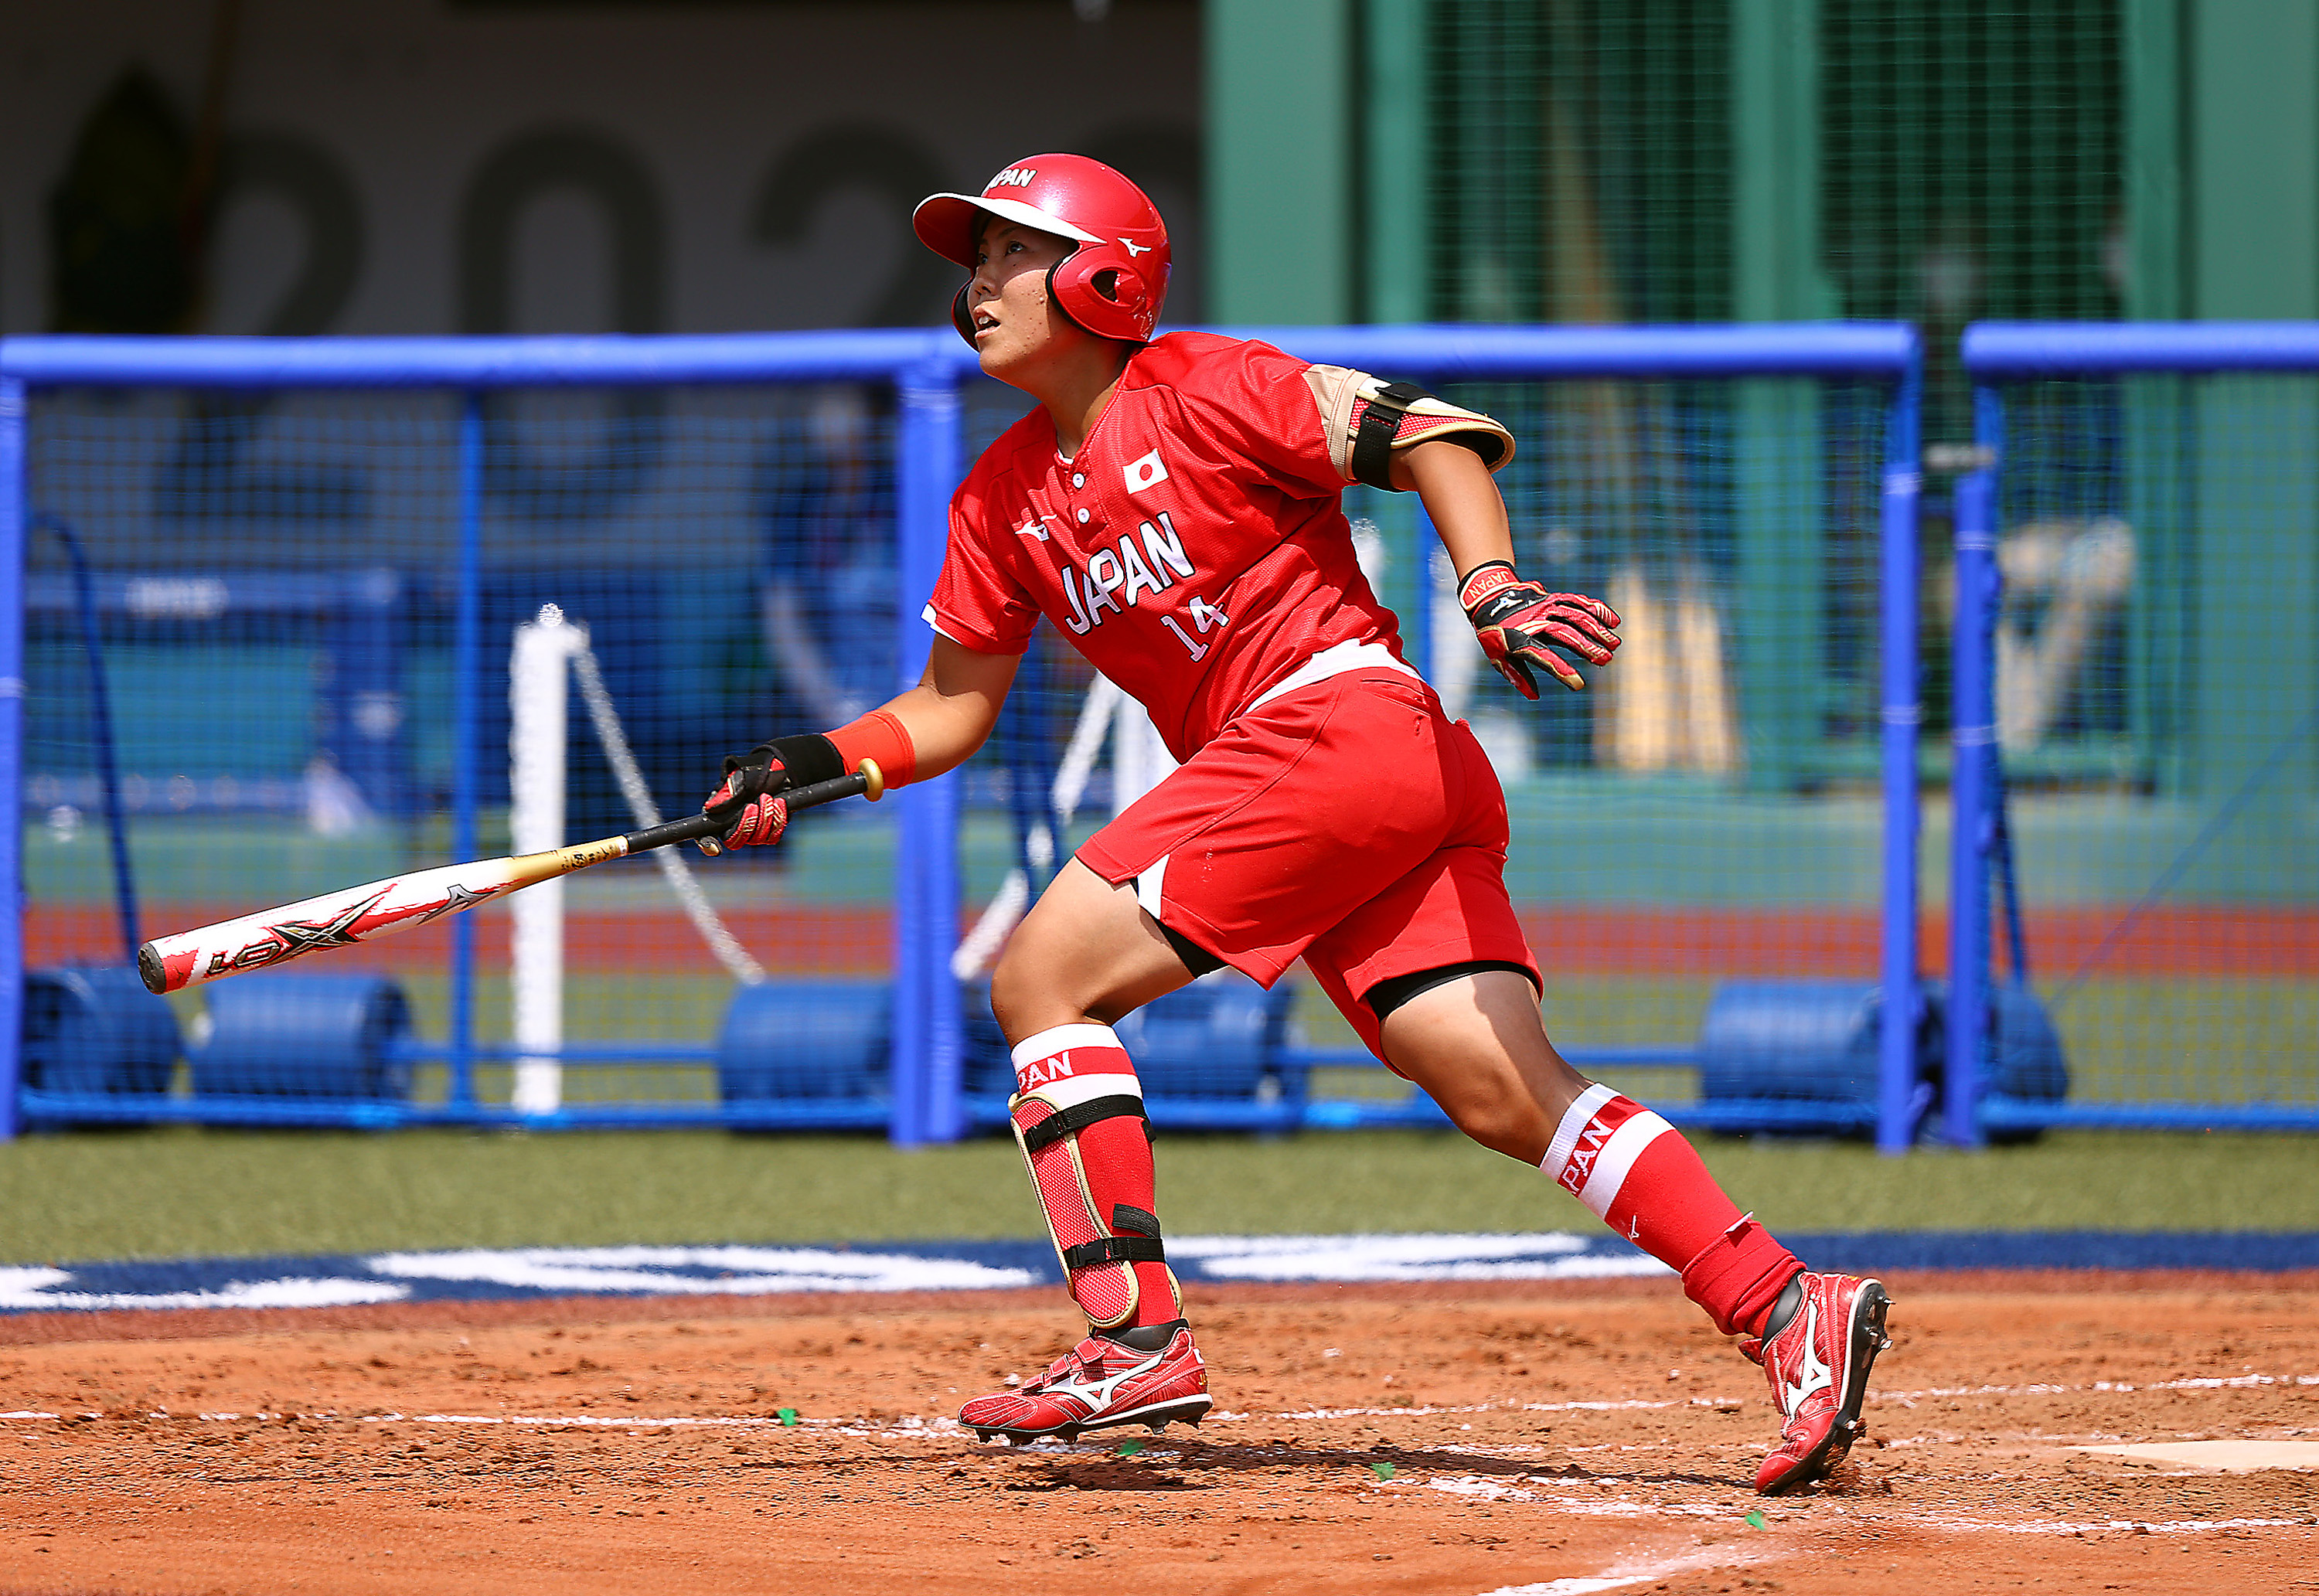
column 1473, row 1408
column 2079, row 1526
column 1631, row 1573
column 2210, row 1383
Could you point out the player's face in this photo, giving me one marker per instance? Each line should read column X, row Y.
column 1008, row 297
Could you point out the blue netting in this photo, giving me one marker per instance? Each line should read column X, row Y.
column 2153, row 709
column 1709, row 811
column 277, row 585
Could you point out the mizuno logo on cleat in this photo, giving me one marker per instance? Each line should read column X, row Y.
column 1816, row 1376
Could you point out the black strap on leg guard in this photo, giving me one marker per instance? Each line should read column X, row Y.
column 1138, row 1242
column 1065, row 1121
column 1115, row 1249
column 1380, row 423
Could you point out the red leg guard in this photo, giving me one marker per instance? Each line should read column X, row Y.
column 1644, row 1181
column 1095, row 1177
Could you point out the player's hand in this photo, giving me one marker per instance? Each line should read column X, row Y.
column 747, row 802
column 1521, row 624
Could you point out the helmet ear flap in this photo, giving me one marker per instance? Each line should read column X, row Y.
column 959, row 316
column 1122, row 285
column 1100, row 293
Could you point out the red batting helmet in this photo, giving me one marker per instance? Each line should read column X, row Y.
column 1113, row 284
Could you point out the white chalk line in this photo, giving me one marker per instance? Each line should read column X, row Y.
column 1629, row 1574
column 2121, row 1387
column 1621, row 1575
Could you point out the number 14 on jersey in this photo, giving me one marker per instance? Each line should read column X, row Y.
column 1206, row 616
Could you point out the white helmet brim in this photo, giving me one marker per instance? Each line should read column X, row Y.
column 944, row 222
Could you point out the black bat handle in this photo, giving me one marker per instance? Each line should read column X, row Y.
column 868, row 780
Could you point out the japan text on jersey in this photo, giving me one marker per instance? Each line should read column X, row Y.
column 1194, row 548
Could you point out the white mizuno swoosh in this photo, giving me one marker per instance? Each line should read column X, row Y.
column 1033, row 529
column 1816, row 1374
column 1098, row 1393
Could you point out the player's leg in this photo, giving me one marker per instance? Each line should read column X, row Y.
column 1437, row 976
column 1275, row 830
column 1085, row 954
column 1477, row 1045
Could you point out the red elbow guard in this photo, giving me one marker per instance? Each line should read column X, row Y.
column 883, row 738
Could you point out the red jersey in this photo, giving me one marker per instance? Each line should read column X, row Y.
column 1195, row 549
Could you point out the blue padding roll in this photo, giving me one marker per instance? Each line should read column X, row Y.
column 1818, row 1040
column 2023, row 1062
column 1790, row 1039
column 807, row 1039
column 2024, row 1056
column 97, row 1031
column 1222, row 1036
column 286, row 1036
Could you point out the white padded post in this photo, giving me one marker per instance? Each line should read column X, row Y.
column 538, row 669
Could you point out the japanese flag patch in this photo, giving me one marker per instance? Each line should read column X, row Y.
column 1141, row 473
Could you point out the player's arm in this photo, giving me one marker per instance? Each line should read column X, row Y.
column 1519, row 623
column 1397, row 435
column 933, row 727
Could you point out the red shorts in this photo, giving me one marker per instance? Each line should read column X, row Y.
column 1349, row 823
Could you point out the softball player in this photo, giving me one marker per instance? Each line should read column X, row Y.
column 1172, row 507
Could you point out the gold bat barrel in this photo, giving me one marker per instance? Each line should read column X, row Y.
column 354, row 914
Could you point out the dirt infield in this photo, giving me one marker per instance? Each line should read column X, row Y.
column 1450, row 1439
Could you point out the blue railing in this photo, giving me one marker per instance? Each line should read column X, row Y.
column 927, row 370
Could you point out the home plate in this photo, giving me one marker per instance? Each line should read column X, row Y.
column 2236, row 1457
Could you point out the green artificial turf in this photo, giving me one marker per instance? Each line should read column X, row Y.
column 183, row 1192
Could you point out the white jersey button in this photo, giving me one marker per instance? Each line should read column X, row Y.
column 1083, row 517
column 1079, row 478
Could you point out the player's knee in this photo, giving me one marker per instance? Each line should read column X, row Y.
column 1496, row 1111
column 1035, row 988
column 1015, row 989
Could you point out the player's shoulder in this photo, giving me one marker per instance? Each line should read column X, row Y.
column 1201, row 364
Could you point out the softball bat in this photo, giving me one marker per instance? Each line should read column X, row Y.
column 355, row 914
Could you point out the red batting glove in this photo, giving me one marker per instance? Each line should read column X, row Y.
column 749, row 801
column 1517, row 619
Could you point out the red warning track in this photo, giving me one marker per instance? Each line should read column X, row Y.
column 2220, row 941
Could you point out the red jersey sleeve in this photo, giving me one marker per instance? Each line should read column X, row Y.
column 978, row 601
column 1298, row 422
column 1261, row 403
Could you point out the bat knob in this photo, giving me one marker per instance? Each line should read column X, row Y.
column 873, row 779
column 711, row 847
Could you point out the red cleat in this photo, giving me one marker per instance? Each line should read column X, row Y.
column 1097, row 1383
column 1819, row 1362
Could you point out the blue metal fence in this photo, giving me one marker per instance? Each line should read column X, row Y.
column 926, row 374
column 2136, row 705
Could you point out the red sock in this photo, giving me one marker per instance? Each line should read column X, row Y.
column 1645, row 1182
column 1095, row 1181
